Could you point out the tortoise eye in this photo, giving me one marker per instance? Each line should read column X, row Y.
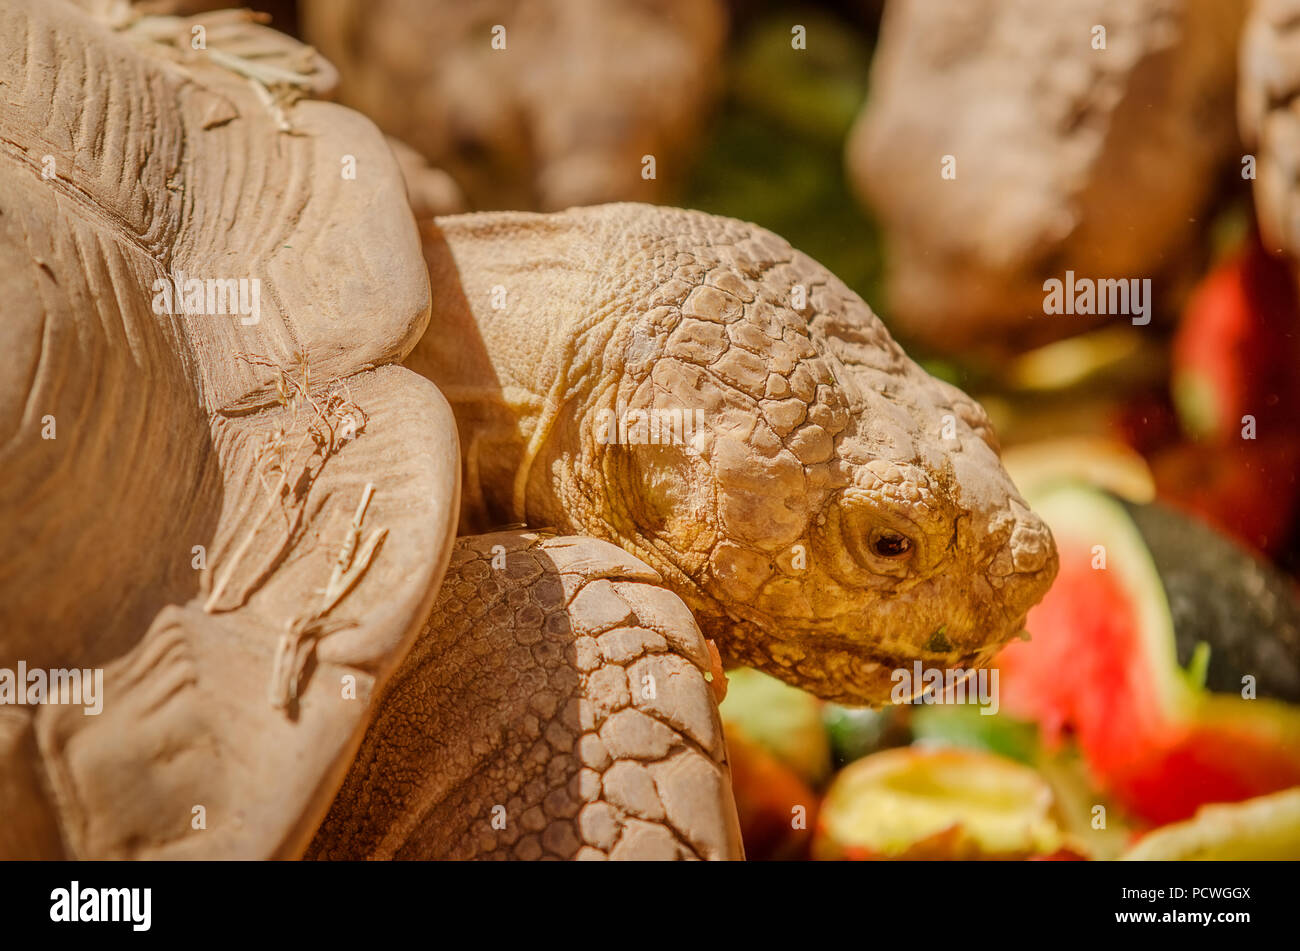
column 891, row 545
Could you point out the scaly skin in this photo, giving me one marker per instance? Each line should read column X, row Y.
column 554, row 705
column 820, row 438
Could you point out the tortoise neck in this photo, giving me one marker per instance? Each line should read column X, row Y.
column 504, row 346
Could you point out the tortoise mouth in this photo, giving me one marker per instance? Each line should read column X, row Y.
column 850, row 674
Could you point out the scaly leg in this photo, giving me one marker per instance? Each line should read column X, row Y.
column 555, row 706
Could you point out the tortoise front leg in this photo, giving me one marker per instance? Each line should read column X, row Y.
column 555, row 706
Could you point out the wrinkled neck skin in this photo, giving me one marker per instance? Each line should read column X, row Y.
column 510, row 349
column 638, row 374
column 533, row 371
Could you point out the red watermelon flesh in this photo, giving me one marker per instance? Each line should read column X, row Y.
column 1101, row 668
column 1095, row 693
column 1237, row 348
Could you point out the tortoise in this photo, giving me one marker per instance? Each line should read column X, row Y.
column 1266, row 91
column 1045, row 129
column 532, row 103
column 374, row 571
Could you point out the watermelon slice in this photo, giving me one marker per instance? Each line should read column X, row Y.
column 1122, row 651
column 1237, row 348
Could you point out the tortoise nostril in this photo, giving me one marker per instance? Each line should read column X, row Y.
column 1030, row 553
column 1031, row 545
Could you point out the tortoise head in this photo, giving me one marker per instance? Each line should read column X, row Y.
column 829, row 510
column 695, row 390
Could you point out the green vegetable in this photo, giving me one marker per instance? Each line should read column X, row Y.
column 855, row 731
column 962, row 725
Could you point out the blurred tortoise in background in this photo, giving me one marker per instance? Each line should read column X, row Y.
column 246, row 516
column 1005, row 142
column 1270, row 125
column 532, row 103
